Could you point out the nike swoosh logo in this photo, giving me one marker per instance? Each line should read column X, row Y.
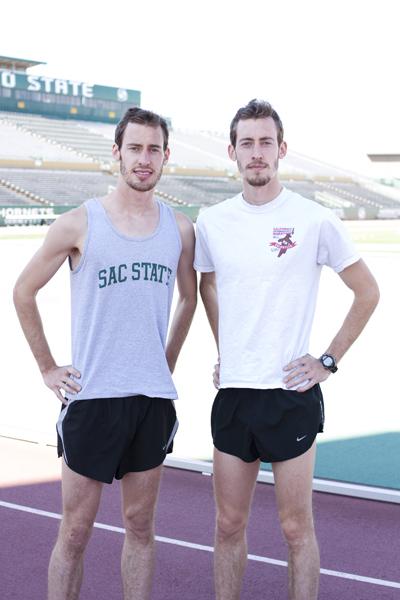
column 301, row 438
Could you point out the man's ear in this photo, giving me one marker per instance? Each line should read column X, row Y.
column 167, row 153
column 232, row 152
column 115, row 152
column 282, row 150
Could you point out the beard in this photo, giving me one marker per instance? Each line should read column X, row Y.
column 140, row 186
column 258, row 179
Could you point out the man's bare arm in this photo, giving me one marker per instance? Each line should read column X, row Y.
column 187, row 289
column 208, row 293
column 63, row 238
column 359, row 279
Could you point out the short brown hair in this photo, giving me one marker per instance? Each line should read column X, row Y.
column 143, row 117
column 255, row 109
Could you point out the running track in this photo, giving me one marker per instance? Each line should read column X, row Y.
column 357, row 537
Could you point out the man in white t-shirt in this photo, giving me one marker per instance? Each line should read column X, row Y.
column 260, row 255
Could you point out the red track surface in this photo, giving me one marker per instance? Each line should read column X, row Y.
column 358, row 537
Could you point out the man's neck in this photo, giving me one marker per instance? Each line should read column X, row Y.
column 127, row 200
column 263, row 194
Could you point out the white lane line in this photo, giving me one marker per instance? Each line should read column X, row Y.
column 165, row 540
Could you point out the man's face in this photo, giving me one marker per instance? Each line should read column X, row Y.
column 141, row 156
column 257, row 151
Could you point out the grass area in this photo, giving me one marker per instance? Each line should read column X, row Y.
column 21, row 236
column 374, row 232
column 362, row 232
column 376, row 237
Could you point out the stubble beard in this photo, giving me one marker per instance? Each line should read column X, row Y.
column 259, row 180
column 139, row 186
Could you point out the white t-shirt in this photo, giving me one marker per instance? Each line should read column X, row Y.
column 267, row 260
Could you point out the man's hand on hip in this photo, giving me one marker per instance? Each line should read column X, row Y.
column 59, row 378
column 304, row 372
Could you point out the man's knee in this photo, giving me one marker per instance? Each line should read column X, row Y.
column 230, row 525
column 298, row 529
column 74, row 537
column 139, row 524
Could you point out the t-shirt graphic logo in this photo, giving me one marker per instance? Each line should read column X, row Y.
column 282, row 240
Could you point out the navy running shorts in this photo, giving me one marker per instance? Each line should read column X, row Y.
column 108, row 437
column 269, row 425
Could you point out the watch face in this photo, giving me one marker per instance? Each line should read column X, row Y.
column 327, row 361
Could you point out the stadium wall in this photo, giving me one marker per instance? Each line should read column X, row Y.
column 45, row 215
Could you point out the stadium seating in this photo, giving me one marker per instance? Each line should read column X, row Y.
column 52, row 161
column 60, row 187
column 67, row 135
column 73, row 187
column 10, row 197
column 20, row 144
column 202, row 191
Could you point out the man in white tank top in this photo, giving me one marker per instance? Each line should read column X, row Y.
column 260, row 255
column 124, row 251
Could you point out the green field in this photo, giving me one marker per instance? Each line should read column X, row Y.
column 362, row 232
column 374, row 232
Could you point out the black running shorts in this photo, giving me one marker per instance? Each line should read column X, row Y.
column 269, row 425
column 108, row 437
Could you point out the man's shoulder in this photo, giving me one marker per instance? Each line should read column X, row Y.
column 217, row 211
column 300, row 203
column 74, row 217
column 71, row 223
column 183, row 220
column 185, row 226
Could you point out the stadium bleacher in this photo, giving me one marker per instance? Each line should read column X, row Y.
column 9, row 196
column 346, row 193
column 70, row 161
column 202, row 191
column 60, row 187
column 20, row 144
column 66, row 135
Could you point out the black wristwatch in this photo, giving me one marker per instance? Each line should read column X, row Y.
column 328, row 362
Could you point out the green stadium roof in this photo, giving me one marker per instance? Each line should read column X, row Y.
column 18, row 64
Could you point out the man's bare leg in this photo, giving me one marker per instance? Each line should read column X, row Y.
column 139, row 499
column 293, row 486
column 234, row 482
column 81, row 497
